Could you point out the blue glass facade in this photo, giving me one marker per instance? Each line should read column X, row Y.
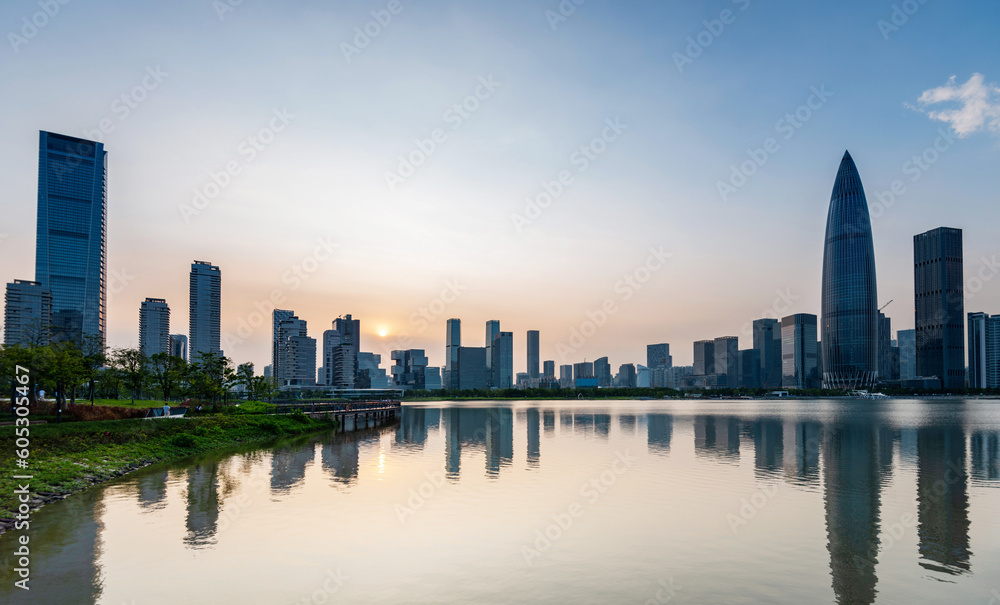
column 71, row 243
column 849, row 301
column 939, row 301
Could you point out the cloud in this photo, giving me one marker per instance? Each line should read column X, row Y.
column 980, row 105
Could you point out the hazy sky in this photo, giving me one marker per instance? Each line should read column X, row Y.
column 393, row 169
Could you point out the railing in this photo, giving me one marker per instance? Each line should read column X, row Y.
column 344, row 408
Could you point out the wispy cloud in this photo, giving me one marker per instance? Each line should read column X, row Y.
column 980, row 105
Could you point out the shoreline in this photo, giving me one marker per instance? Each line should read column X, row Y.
column 79, row 455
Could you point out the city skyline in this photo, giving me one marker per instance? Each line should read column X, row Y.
column 444, row 238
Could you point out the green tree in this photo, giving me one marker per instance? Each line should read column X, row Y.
column 167, row 372
column 132, row 365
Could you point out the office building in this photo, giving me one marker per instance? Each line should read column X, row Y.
column 584, row 369
column 658, row 356
column 154, row 327
column 626, row 377
column 472, row 368
column 767, row 340
column 205, row 316
column 566, row 376
column 886, row 371
column 727, row 360
column 502, row 372
column 849, row 296
column 370, row 373
column 409, row 370
column 984, row 351
column 179, row 346
column 533, row 354
column 704, row 357
column 452, row 342
column 71, row 235
column 549, row 369
column 798, row 352
column 749, row 369
column 602, row 372
column 939, row 297
column 432, row 378
column 907, row 340
column 492, row 329
column 27, row 314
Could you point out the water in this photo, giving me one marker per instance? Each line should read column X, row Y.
column 551, row 502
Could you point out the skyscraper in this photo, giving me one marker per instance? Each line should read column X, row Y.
column 492, row 329
column 154, row 327
column 727, row 360
column 179, row 346
column 658, row 356
column 471, row 368
column 798, row 351
column 849, row 297
column 27, row 314
column 704, row 357
column 549, row 369
column 296, row 354
column 767, row 340
column 502, row 372
column 939, row 297
column 907, row 354
column 602, row 372
column 533, row 354
column 206, row 309
column 71, row 236
column 978, row 349
column 885, row 355
column 277, row 316
column 409, row 369
column 452, row 342
column 343, row 367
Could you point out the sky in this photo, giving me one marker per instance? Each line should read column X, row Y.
column 613, row 174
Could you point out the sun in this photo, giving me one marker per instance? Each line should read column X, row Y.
column 383, row 332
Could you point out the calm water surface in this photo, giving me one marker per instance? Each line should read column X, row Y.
column 544, row 502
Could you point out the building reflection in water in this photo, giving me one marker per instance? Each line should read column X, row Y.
column 412, row 431
column 942, row 500
column 768, row 446
column 491, row 430
column 339, row 458
column 203, row 504
column 659, row 428
column 985, row 456
column 533, row 420
column 288, row 467
column 852, row 498
column 802, row 461
column 717, row 436
column 602, row 425
column 151, row 490
column 626, row 424
column 549, row 422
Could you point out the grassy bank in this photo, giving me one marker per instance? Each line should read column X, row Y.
column 69, row 457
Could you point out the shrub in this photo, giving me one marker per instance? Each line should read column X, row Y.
column 184, row 440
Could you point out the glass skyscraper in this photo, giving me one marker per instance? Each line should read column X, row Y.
column 206, row 309
column 939, row 297
column 849, row 301
column 71, row 238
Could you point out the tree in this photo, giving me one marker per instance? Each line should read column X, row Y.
column 211, row 377
column 94, row 358
column 166, row 371
column 132, row 365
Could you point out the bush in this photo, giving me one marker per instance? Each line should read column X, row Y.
column 254, row 407
column 184, row 440
column 270, row 426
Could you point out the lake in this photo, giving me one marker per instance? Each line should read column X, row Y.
column 556, row 502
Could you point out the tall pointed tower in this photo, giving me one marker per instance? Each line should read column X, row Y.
column 850, row 309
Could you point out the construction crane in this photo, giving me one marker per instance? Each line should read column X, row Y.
column 885, row 305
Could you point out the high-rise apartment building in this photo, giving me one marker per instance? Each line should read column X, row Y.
column 71, row 234
column 154, row 327
column 296, row 354
column 205, row 318
column 278, row 316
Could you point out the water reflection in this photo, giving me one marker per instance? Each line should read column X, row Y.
column 861, row 473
